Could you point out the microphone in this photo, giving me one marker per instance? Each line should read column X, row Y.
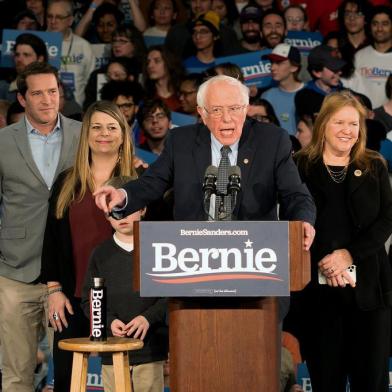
column 209, row 183
column 234, row 185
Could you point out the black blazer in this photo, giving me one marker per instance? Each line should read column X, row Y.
column 369, row 199
column 268, row 175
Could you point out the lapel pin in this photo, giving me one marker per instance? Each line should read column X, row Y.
column 246, row 161
column 358, row 173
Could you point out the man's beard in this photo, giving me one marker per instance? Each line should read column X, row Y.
column 252, row 38
column 277, row 40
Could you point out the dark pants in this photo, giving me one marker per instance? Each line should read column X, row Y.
column 78, row 326
column 348, row 343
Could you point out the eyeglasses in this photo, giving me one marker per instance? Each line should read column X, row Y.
column 353, row 14
column 186, row 93
column 291, row 19
column 217, row 111
column 120, row 41
column 202, row 32
column 57, row 17
column 127, row 105
column 156, row 117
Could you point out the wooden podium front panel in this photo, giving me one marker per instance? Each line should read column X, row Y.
column 299, row 258
column 224, row 345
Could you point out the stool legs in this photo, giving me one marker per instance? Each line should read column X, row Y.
column 79, row 372
column 122, row 376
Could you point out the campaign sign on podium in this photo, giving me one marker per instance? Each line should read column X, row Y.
column 207, row 259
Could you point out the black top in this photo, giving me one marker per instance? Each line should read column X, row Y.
column 334, row 225
column 114, row 264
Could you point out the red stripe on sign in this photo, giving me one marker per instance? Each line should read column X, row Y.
column 197, row 279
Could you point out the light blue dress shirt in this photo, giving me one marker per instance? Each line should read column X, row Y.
column 45, row 150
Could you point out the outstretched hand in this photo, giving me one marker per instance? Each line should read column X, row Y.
column 107, row 197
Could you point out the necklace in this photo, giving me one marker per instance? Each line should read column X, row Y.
column 337, row 176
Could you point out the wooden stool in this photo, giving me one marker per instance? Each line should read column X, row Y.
column 82, row 347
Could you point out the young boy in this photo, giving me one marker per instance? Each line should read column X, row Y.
column 129, row 315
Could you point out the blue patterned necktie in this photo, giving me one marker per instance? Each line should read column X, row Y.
column 223, row 203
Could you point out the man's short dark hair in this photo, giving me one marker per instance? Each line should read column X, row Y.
column 196, row 78
column 24, row 14
column 149, row 107
column 272, row 11
column 35, row 68
column 35, row 42
column 381, row 9
column 114, row 88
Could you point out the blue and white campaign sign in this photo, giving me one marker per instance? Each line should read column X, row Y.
column 102, row 53
column 180, row 119
column 305, row 41
column 94, row 377
column 52, row 42
column 257, row 72
column 151, row 40
column 214, row 259
column 146, row 156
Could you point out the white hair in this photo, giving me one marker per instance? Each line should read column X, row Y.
column 202, row 91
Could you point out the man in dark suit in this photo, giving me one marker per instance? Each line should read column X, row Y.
column 33, row 152
column 262, row 151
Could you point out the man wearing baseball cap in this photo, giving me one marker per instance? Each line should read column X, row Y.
column 285, row 67
column 325, row 69
column 250, row 18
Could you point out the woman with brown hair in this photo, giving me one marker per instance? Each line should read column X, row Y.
column 347, row 318
column 162, row 73
column 75, row 226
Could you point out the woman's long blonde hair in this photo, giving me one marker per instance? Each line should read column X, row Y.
column 332, row 103
column 79, row 177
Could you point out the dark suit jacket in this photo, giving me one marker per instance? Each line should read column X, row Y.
column 369, row 200
column 268, row 174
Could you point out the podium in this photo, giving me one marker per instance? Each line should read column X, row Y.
column 228, row 344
